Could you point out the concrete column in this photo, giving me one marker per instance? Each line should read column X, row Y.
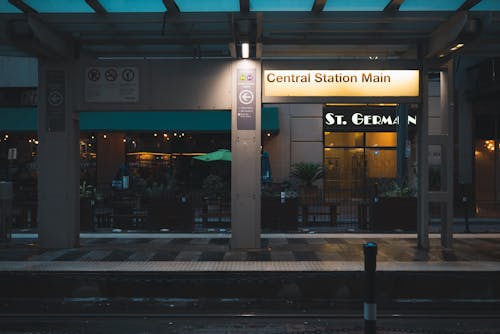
column 423, row 163
column 245, row 147
column 58, row 157
column 447, row 112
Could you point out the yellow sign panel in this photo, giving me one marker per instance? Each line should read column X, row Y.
column 359, row 83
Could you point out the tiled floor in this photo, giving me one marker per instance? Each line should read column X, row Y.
column 292, row 247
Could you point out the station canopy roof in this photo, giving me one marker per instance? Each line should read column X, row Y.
column 276, row 29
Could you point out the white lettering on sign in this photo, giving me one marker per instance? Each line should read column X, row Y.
column 360, row 119
column 341, row 83
column 111, row 84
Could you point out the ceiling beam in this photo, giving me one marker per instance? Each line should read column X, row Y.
column 244, row 6
column 468, row 4
column 96, row 6
column 393, row 6
column 446, row 34
column 22, row 6
column 171, row 6
column 318, row 6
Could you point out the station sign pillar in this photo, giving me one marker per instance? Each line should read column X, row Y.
column 246, row 154
column 58, row 157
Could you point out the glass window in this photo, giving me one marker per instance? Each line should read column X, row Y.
column 208, row 6
column 344, row 139
column 381, row 139
column 427, row 5
column 281, row 5
column 355, row 5
column 126, row 6
column 381, row 163
column 344, row 167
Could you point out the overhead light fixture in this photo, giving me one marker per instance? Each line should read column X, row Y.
column 245, row 50
column 456, row 47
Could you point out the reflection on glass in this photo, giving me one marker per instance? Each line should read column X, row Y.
column 381, row 163
column 381, row 139
column 344, row 167
column 344, row 139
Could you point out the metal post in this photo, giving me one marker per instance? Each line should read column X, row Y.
column 6, row 195
column 370, row 306
column 466, row 213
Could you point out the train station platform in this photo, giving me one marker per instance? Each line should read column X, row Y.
column 313, row 273
column 280, row 252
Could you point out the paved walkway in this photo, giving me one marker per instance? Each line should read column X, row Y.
column 279, row 252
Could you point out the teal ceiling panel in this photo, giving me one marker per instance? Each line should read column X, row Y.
column 127, row 6
column 59, row 6
column 431, row 5
column 356, row 5
column 7, row 8
column 208, row 6
column 488, row 5
column 281, row 5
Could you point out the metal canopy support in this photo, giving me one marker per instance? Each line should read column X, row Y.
column 468, row 4
column 244, row 6
column 318, row 6
column 22, row 6
column 393, row 6
column 446, row 34
column 96, row 6
column 42, row 41
column 422, row 161
column 171, row 6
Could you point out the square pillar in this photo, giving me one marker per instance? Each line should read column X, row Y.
column 58, row 157
column 246, row 154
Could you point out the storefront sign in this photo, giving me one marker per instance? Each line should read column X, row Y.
column 245, row 116
column 373, row 83
column 364, row 120
column 111, row 84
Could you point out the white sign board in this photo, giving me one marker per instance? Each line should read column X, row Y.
column 111, row 84
column 359, row 83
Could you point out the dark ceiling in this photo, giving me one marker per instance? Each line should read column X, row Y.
column 315, row 34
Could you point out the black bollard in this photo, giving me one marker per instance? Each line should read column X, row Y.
column 466, row 214
column 370, row 306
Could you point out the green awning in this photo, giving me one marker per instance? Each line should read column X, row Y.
column 25, row 119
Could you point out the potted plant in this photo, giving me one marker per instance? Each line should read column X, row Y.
column 395, row 209
column 307, row 173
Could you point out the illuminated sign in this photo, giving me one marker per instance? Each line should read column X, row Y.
column 358, row 83
column 364, row 119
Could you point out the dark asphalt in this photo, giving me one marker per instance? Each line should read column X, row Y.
column 243, row 325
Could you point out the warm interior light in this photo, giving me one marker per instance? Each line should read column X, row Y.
column 245, row 50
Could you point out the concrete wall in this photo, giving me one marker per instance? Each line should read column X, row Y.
column 300, row 138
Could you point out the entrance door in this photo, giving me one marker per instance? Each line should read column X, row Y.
column 355, row 163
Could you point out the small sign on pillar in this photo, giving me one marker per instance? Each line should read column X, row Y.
column 55, row 115
column 245, row 114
